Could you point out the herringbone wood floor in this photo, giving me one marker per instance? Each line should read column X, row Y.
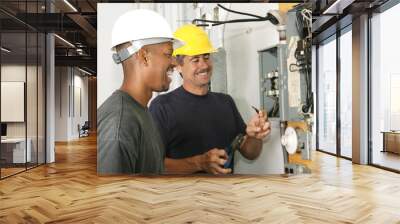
column 69, row 191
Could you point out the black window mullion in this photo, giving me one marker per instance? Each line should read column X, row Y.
column 338, row 93
column 317, row 96
column 369, row 78
column 37, row 90
column 26, row 87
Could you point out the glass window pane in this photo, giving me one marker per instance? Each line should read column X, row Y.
column 23, row 87
column 346, row 94
column 327, row 97
column 385, row 89
column 31, row 97
column 14, row 153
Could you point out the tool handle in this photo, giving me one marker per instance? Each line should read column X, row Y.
column 228, row 162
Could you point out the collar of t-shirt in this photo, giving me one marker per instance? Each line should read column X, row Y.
column 130, row 98
column 183, row 92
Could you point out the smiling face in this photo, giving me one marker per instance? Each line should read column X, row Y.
column 160, row 66
column 196, row 71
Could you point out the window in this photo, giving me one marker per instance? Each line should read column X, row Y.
column 22, row 65
column 327, row 96
column 394, row 102
column 385, row 89
column 346, row 75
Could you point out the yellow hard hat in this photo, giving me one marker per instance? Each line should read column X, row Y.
column 195, row 40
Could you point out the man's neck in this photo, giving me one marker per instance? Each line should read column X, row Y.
column 136, row 90
column 142, row 97
column 196, row 90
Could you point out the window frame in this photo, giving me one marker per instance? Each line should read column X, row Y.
column 333, row 37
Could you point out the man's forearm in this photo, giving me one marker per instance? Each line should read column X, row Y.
column 251, row 148
column 183, row 166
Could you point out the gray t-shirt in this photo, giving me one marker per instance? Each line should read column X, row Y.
column 127, row 139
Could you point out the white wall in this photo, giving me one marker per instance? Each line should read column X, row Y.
column 242, row 43
column 240, row 40
column 61, row 103
column 68, row 82
column 79, row 117
column 82, row 82
column 13, row 75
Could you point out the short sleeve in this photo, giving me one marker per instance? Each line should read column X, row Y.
column 118, row 148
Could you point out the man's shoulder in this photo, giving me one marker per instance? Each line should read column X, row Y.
column 165, row 98
column 112, row 104
column 116, row 120
column 221, row 96
column 117, row 107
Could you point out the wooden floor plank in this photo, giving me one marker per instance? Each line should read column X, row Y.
column 69, row 191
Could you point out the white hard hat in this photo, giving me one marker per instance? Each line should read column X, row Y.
column 140, row 27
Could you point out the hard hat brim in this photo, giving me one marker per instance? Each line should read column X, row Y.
column 177, row 43
column 207, row 51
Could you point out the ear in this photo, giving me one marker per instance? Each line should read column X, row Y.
column 143, row 56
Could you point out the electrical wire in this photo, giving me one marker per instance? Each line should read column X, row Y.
column 257, row 18
column 241, row 13
column 303, row 25
column 275, row 109
column 217, row 23
column 307, row 14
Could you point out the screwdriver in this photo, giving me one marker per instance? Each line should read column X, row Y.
column 257, row 110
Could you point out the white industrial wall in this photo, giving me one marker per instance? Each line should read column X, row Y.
column 66, row 119
column 242, row 41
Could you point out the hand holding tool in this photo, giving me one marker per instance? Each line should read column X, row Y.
column 230, row 150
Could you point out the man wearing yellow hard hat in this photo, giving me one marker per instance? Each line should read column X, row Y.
column 197, row 125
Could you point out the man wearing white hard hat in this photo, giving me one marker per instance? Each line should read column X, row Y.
column 128, row 139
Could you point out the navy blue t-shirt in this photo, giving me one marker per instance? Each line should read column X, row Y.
column 191, row 124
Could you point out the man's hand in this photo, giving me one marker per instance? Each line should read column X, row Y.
column 213, row 161
column 259, row 126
